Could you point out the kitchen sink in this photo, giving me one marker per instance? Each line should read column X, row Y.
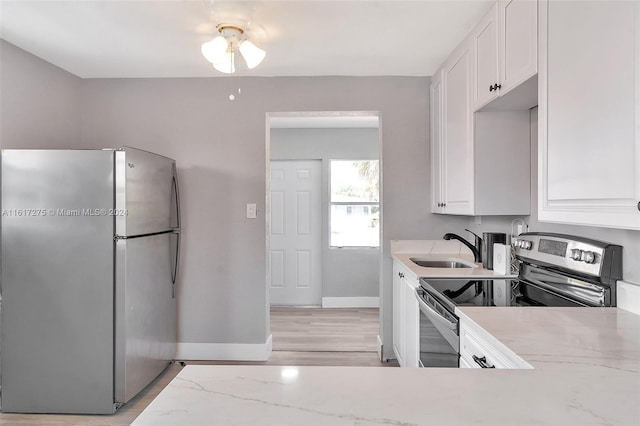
column 440, row 263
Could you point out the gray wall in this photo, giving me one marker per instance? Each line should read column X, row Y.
column 349, row 272
column 220, row 149
column 629, row 239
column 39, row 102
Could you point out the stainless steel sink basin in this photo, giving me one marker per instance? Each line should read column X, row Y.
column 440, row 263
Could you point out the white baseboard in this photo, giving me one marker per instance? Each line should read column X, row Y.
column 350, row 302
column 628, row 297
column 379, row 348
column 224, row 351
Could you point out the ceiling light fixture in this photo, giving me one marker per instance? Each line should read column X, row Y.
column 221, row 50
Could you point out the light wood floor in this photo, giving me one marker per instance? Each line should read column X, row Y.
column 301, row 336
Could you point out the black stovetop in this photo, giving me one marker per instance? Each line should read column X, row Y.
column 454, row 293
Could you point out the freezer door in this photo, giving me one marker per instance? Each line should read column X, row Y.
column 146, row 193
column 145, row 310
column 57, row 281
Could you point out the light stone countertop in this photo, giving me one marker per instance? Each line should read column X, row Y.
column 404, row 250
column 586, row 372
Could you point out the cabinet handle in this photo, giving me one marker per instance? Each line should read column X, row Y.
column 482, row 362
column 498, row 86
column 638, row 205
column 491, row 88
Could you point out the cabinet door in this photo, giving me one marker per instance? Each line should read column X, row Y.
column 435, row 97
column 411, row 322
column 485, row 65
column 458, row 143
column 477, row 349
column 398, row 332
column 518, row 42
column 465, row 364
column 589, row 145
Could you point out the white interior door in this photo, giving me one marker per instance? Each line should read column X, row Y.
column 295, row 239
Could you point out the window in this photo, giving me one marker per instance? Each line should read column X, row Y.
column 354, row 203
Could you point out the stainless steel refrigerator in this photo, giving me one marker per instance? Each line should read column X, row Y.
column 90, row 249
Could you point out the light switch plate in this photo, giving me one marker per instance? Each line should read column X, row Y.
column 252, row 211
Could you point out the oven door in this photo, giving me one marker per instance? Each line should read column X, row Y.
column 439, row 341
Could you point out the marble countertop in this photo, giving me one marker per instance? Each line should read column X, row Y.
column 586, row 371
column 404, row 250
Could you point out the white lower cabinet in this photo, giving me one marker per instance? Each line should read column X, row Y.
column 405, row 316
column 479, row 349
column 464, row 363
column 398, row 325
column 411, row 322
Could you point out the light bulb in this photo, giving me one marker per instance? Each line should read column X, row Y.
column 226, row 66
column 252, row 54
column 214, row 50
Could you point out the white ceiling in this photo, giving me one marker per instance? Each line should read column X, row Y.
column 142, row 38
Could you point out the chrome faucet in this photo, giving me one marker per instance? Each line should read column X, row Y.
column 475, row 249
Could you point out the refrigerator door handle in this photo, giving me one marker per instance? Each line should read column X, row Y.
column 174, row 184
column 174, row 272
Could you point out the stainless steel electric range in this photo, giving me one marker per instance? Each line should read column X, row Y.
column 555, row 270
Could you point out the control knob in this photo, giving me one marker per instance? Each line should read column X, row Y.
column 589, row 257
column 526, row 244
column 576, row 254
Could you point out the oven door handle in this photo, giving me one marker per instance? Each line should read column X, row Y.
column 433, row 315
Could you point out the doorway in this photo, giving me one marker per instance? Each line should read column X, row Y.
column 350, row 271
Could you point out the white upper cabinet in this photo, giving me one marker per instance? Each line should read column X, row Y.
column 517, row 42
column 457, row 147
column 479, row 161
column 505, row 49
column 485, row 47
column 589, row 113
column 435, row 97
